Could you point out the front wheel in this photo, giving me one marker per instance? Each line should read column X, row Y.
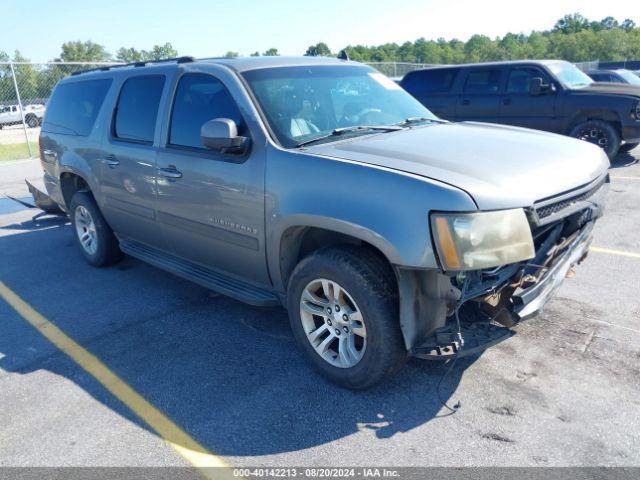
column 600, row 133
column 343, row 309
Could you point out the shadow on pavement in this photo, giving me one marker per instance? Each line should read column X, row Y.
column 227, row 373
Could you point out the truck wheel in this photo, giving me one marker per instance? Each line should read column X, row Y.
column 600, row 133
column 32, row 121
column 627, row 147
column 343, row 309
column 93, row 236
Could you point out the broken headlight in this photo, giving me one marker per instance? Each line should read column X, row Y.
column 473, row 241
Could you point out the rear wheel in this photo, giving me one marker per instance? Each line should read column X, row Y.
column 343, row 309
column 32, row 121
column 92, row 234
column 600, row 133
column 627, row 147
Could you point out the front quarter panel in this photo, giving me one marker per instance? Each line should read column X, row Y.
column 386, row 208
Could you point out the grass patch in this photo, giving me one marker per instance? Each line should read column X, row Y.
column 17, row 151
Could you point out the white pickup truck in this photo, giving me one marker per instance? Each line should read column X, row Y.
column 10, row 115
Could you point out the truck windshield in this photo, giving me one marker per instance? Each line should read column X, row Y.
column 629, row 76
column 304, row 103
column 569, row 75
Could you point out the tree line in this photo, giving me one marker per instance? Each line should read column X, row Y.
column 573, row 38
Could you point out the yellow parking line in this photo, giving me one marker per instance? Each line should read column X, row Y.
column 622, row 177
column 177, row 438
column 614, row 252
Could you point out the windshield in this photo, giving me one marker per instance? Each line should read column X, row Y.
column 629, row 77
column 304, row 103
column 569, row 75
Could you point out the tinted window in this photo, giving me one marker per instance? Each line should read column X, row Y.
column 520, row 79
column 482, row 81
column 617, row 79
column 200, row 98
column 73, row 108
column 137, row 109
column 429, row 81
column 600, row 77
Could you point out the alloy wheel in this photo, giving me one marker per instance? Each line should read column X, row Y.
column 86, row 230
column 333, row 323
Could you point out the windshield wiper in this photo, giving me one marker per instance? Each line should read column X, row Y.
column 358, row 128
column 412, row 120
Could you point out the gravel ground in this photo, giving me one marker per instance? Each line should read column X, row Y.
column 564, row 391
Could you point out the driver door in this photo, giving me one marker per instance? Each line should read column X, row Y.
column 522, row 109
column 210, row 206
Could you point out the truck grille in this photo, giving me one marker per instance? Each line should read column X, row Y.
column 548, row 209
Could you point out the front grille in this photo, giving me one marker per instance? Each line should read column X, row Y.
column 553, row 208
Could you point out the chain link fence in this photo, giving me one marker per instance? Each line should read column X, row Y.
column 24, row 91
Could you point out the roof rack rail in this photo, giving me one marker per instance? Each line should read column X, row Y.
column 104, row 68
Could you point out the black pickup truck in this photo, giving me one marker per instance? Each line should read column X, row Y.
column 549, row 95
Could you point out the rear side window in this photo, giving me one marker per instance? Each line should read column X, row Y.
column 429, row 81
column 200, row 98
column 73, row 108
column 137, row 108
column 482, row 81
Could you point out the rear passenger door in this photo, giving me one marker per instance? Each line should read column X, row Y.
column 129, row 160
column 481, row 93
column 520, row 108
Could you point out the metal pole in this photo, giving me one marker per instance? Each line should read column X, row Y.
column 24, row 124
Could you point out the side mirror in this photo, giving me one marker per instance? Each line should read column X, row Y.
column 535, row 86
column 221, row 134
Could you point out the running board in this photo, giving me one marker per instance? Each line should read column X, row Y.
column 444, row 344
column 208, row 278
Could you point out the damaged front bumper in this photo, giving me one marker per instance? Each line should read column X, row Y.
column 531, row 300
column 482, row 305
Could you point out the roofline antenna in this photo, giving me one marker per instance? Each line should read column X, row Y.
column 343, row 55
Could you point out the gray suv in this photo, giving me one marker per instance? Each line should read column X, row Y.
column 321, row 185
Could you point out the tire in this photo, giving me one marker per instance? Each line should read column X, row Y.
column 101, row 248
column 367, row 286
column 600, row 133
column 32, row 121
column 627, row 147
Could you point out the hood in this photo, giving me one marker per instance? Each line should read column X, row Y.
column 499, row 166
column 610, row 89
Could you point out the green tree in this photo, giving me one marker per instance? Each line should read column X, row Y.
column 272, row 52
column 255, row 54
column 160, row 52
column 231, row 54
column 320, row 49
column 26, row 77
column 78, row 51
column 571, row 24
column 157, row 52
column 128, row 55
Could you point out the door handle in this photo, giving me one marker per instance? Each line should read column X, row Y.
column 170, row 172
column 506, row 101
column 466, row 101
column 111, row 161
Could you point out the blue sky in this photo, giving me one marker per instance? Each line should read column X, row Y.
column 208, row 28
